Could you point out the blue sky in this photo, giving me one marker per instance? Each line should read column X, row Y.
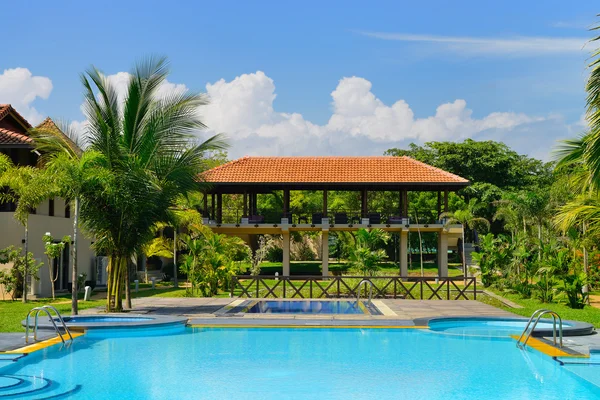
column 519, row 67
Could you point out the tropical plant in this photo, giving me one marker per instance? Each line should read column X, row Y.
column 24, row 265
column 265, row 243
column 468, row 221
column 60, row 151
column 368, row 253
column 210, row 261
column 27, row 187
column 573, row 290
column 149, row 156
column 493, row 258
column 366, row 261
column 54, row 250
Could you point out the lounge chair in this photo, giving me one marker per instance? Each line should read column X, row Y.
column 374, row 218
column 394, row 219
column 317, row 218
column 256, row 219
column 341, row 218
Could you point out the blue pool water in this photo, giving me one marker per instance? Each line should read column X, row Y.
column 306, row 307
column 480, row 327
column 315, row 363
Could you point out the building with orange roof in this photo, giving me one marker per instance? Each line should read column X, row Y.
column 53, row 215
column 254, row 176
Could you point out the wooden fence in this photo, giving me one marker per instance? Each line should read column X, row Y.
column 391, row 287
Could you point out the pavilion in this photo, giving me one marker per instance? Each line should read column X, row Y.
column 251, row 176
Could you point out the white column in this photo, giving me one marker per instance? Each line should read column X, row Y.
column 286, row 253
column 325, row 253
column 404, row 253
column 442, row 254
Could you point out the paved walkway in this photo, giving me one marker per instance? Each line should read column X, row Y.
column 399, row 309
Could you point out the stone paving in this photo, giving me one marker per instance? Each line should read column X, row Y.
column 401, row 309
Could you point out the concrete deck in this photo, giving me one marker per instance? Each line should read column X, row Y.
column 400, row 309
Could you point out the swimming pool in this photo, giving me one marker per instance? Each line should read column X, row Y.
column 502, row 327
column 312, row 307
column 267, row 363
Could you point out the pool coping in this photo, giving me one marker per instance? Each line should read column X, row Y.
column 577, row 328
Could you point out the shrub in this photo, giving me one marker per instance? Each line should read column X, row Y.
column 275, row 254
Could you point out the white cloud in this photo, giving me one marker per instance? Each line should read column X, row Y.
column 20, row 88
column 358, row 118
column 521, row 46
column 360, row 123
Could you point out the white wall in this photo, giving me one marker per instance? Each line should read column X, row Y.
column 12, row 233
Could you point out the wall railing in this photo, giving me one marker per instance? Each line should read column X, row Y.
column 390, row 287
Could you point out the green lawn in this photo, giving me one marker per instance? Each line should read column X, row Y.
column 588, row 314
column 13, row 312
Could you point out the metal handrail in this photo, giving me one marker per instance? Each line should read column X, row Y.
column 46, row 308
column 62, row 321
column 364, row 281
column 538, row 314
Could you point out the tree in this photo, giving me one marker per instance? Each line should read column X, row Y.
column 54, row 251
column 468, row 221
column 61, row 152
column 27, row 188
column 492, row 167
column 150, row 156
column 22, row 265
column 368, row 252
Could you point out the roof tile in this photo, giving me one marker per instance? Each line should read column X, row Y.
column 12, row 137
column 384, row 169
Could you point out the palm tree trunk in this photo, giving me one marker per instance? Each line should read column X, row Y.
column 24, row 297
column 175, row 282
column 127, row 285
column 540, row 240
column 585, row 265
column 74, row 288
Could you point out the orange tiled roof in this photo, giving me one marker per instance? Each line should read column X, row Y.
column 7, row 134
column 12, row 137
column 6, row 109
column 329, row 170
column 49, row 125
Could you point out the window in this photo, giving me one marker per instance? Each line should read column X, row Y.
column 67, row 210
column 51, row 207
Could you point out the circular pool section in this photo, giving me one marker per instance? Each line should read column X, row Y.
column 117, row 323
column 101, row 319
column 503, row 327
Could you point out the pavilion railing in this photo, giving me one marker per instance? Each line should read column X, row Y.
column 390, row 287
column 335, row 217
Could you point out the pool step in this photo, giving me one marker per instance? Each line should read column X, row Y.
column 32, row 387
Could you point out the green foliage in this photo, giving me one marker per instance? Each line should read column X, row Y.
column 145, row 157
column 368, row 253
column 492, row 258
column 53, row 250
column 573, row 290
column 275, row 254
column 20, row 263
column 482, row 161
column 209, row 264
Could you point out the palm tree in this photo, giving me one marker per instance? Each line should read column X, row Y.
column 61, row 152
column 150, row 157
column 27, row 187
